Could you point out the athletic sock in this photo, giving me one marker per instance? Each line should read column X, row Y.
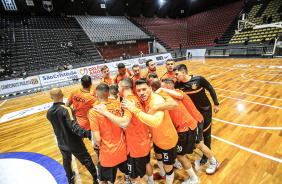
column 161, row 166
column 170, row 177
column 212, row 160
column 151, row 180
column 191, row 173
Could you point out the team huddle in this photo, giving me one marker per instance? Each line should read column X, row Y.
column 124, row 114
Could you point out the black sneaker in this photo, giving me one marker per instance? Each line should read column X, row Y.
column 204, row 160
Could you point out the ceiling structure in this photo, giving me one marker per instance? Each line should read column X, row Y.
column 133, row 8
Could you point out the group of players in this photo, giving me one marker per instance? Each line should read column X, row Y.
column 119, row 113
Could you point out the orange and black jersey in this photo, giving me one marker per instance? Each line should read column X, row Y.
column 195, row 89
column 168, row 76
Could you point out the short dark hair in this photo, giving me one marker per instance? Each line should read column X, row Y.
column 148, row 61
column 128, row 82
column 156, row 83
column 86, row 81
column 168, row 81
column 134, row 66
column 121, row 65
column 104, row 68
column 169, row 60
column 153, row 75
column 142, row 81
column 113, row 89
column 181, row 67
column 102, row 90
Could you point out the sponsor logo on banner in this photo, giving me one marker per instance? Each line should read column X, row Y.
column 11, row 86
column 48, row 5
column 141, row 61
column 93, row 70
column 159, row 58
column 56, row 77
column 34, row 81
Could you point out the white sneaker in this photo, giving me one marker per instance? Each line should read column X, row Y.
column 177, row 164
column 191, row 181
column 212, row 167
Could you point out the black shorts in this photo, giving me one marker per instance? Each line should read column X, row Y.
column 199, row 129
column 137, row 166
column 168, row 156
column 110, row 173
column 186, row 142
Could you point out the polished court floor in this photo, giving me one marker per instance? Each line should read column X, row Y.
column 247, row 131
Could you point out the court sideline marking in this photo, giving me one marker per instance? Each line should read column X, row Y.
column 249, row 126
column 251, row 102
column 259, row 80
column 204, row 62
column 77, row 176
column 3, row 103
column 249, row 94
column 249, row 150
column 219, row 74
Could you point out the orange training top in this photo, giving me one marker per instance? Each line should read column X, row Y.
column 180, row 117
column 167, row 76
column 108, row 81
column 188, row 103
column 137, row 135
column 118, row 77
column 113, row 145
column 82, row 102
column 160, row 124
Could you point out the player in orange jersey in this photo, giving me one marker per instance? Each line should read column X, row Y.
column 160, row 125
column 137, row 75
column 151, row 68
column 122, row 73
column 106, row 77
column 170, row 73
column 82, row 101
column 109, row 138
column 152, row 76
column 136, row 134
column 186, row 126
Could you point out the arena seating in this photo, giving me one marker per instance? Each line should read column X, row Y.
column 115, row 51
column 105, row 28
column 196, row 30
column 35, row 43
column 268, row 8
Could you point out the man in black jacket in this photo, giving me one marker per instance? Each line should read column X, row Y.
column 69, row 136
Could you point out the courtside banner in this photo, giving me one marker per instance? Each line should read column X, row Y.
column 93, row 71
column 158, row 59
column 11, row 86
column 57, row 77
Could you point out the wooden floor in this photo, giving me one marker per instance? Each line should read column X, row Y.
column 244, row 140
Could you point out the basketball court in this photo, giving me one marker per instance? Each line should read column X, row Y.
column 247, row 131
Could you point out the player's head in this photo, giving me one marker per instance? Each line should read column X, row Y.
column 169, row 83
column 125, row 84
column 151, row 65
column 86, row 81
column 143, row 89
column 136, row 70
column 121, row 69
column 155, row 84
column 153, row 76
column 102, row 91
column 113, row 90
column 57, row 95
column 180, row 72
column 170, row 65
column 105, row 71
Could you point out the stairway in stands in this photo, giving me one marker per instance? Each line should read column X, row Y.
column 168, row 49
